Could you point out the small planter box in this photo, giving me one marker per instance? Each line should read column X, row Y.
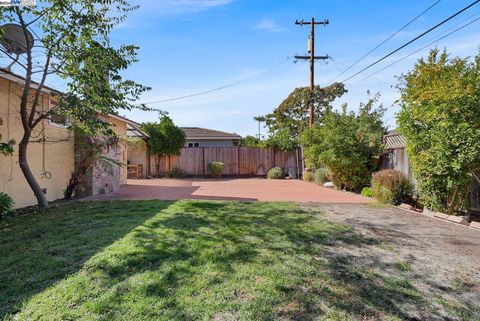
column 459, row 220
column 441, row 215
column 475, row 225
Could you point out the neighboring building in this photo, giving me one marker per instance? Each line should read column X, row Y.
column 396, row 157
column 203, row 137
column 51, row 153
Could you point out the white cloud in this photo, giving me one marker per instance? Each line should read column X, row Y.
column 269, row 25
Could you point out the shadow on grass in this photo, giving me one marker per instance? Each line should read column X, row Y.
column 38, row 250
column 209, row 260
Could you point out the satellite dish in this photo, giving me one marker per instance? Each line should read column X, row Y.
column 14, row 40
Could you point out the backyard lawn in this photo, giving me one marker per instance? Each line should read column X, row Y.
column 197, row 260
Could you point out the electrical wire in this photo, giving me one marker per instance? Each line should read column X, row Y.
column 422, row 48
column 413, row 40
column 211, row 90
column 385, row 41
column 343, row 64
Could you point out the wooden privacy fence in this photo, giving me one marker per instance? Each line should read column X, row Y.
column 238, row 161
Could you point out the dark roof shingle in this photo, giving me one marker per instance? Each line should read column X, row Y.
column 198, row 132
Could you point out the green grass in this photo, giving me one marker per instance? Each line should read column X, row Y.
column 189, row 260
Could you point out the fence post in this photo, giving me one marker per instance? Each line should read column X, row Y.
column 203, row 161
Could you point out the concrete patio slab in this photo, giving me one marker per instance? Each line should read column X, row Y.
column 238, row 189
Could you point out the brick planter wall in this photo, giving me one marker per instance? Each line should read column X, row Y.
column 100, row 179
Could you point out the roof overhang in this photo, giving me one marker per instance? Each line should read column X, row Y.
column 20, row 80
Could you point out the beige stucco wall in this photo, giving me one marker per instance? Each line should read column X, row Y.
column 137, row 154
column 59, row 151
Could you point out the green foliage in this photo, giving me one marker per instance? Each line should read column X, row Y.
column 392, row 187
column 165, row 137
column 176, row 172
column 275, row 173
column 251, row 141
column 6, row 204
column 294, row 112
column 72, row 43
column 216, row 168
column 308, row 177
column 6, row 149
column 348, row 144
column 282, row 139
column 91, row 148
column 367, row 192
column 322, row 175
column 439, row 117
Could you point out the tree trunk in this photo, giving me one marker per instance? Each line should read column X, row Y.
column 31, row 180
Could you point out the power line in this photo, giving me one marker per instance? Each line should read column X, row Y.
column 212, row 90
column 422, row 48
column 413, row 40
column 386, row 40
column 335, row 61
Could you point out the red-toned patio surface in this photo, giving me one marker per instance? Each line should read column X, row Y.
column 251, row 189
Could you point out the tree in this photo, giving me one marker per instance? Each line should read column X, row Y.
column 294, row 111
column 164, row 138
column 251, row 141
column 349, row 144
column 282, row 139
column 439, row 117
column 260, row 120
column 71, row 43
column 91, row 150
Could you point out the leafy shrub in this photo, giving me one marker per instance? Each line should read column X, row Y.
column 308, row 177
column 441, row 128
column 175, row 173
column 275, row 173
column 6, row 204
column 282, row 139
column 216, row 168
column 392, row 187
column 349, row 144
column 322, row 175
column 367, row 192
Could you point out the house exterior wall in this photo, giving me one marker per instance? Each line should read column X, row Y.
column 137, row 155
column 120, row 128
column 59, row 151
column 103, row 178
column 212, row 142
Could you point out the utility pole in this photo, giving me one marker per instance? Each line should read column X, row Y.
column 312, row 58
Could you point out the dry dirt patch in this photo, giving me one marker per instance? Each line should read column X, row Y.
column 439, row 261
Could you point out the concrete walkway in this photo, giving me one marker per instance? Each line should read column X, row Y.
column 251, row 189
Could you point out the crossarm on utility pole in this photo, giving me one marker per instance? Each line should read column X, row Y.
column 312, row 59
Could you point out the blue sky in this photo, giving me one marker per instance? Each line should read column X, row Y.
column 189, row 46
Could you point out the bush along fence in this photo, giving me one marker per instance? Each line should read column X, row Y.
column 238, row 161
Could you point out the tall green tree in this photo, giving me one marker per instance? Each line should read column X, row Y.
column 72, row 42
column 294, row 111
column 164, row 138
column 439, row 117
column 348, row 143
column 251, row 141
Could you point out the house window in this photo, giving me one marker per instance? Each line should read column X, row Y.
column 193, row 144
